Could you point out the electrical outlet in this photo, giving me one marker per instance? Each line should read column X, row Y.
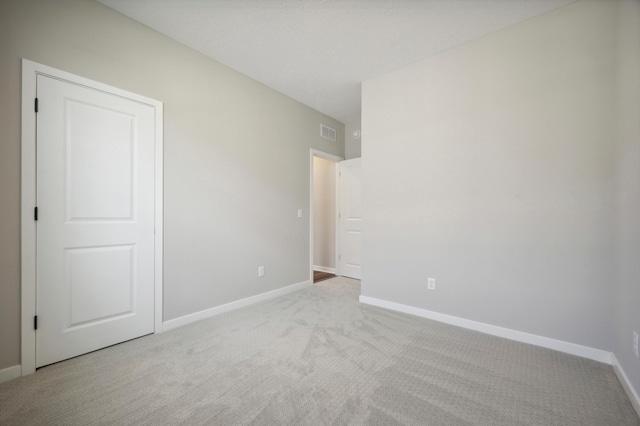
column 299, row 212
column 431, row 283
column 261, row 271
column 635, row 343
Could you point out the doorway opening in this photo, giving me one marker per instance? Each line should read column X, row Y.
column 324, row 216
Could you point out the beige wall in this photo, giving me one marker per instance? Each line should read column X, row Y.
column 236, row 156
column 627, row 302
column 324, row 213
column 490, row 167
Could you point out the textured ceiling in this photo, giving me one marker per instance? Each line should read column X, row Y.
column 319, row 51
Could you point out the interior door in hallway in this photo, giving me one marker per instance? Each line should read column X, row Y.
column 95, row 225
column 350, row 257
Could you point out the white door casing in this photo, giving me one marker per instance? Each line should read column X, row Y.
column 350, row 219
column 97, row 244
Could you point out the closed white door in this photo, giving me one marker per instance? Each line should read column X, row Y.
column 95, row 225
column 350, row 257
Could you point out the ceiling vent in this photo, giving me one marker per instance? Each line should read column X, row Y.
column 327, row 132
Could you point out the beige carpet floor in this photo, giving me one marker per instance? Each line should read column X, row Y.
column 318, row 357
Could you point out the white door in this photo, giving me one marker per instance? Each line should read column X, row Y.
column 350, row 257
column 95, row 225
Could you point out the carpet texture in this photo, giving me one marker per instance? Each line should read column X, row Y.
column 318, row 357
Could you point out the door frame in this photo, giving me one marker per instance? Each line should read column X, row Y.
column 30, row 71
column 336, row 159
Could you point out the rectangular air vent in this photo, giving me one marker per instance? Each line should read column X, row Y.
column 327, row 132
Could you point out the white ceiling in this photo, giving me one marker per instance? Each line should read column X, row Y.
column 319, row 51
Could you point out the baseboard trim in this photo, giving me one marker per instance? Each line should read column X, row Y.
column 626, row 384
column 324, row 269
column 208, row 313
column 10, row 373
column 519, row 336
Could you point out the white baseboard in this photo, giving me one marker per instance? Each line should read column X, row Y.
column 626, row 384
column 519, row 336
column 10, row 373
column 324, row 269
column 208, row 313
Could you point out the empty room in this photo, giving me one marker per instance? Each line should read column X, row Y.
column 461, row 177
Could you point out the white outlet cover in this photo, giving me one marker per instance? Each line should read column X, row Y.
column 261, row 271
column 299, row 212
column 635, row 344
column 431, row 283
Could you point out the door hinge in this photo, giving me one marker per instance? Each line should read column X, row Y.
column 36, row 105
column 35, row 322
column 35, row 213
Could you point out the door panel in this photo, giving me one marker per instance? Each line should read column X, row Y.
column 100, row 282
column 95, row 231
column 100, row 166
column 350, row 257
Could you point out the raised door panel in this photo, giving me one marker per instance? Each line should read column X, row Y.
column 100, row 147
column 100, row 283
